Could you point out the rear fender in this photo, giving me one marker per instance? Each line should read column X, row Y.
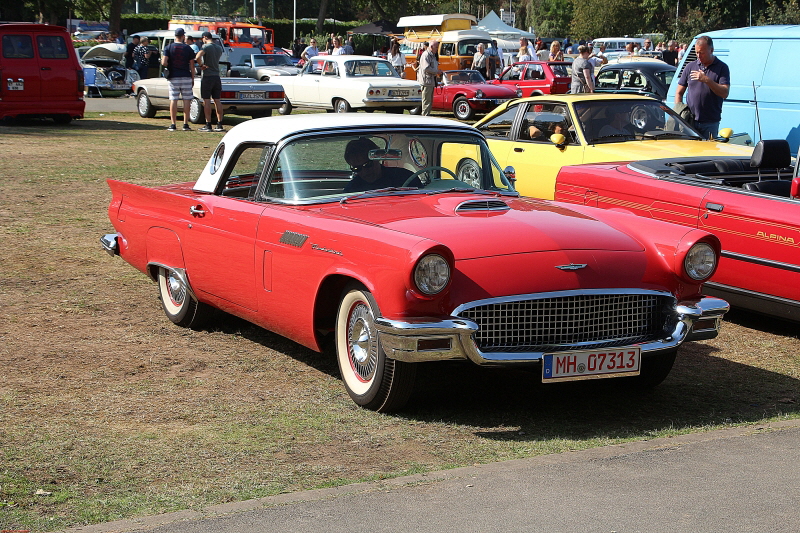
column 163, row 249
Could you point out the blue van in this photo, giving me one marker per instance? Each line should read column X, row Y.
column 760, row 55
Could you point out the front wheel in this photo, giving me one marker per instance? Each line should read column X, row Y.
column 341, row 106
column 372, row 380
column 462, row 110
column 144, row 106
column 178, row 303
column 286, row 108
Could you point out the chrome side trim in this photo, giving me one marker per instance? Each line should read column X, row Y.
column 760, row 261
column 109, row 243
column 180, row 273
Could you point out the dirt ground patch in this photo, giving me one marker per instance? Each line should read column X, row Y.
column 108, row 410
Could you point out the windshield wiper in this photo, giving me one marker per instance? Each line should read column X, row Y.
column 667, row 134
column 377, row 192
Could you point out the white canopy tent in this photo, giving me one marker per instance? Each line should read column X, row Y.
column 500, row 30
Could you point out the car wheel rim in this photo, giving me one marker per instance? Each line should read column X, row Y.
column 462, row 109
column 142, row 105
column 362, row 345
column 175, row 290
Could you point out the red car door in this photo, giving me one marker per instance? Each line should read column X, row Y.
column 760, row 241
column 59, row 74
column 20, row 69
column 220, row 248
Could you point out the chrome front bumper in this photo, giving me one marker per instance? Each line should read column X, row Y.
column 419, row 340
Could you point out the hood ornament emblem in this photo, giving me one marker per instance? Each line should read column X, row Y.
column 572, row 266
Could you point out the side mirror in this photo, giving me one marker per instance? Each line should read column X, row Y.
column 559, row 140
column 511, row 176
column 725, row 134
column 794, row 192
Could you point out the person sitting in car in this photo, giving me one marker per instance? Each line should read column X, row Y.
column 369, row 174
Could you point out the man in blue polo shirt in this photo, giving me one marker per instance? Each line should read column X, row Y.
column 708, row 81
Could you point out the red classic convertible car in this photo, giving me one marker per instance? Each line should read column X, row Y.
column 400, row 240
column 534, row 78
column 752, row 205
column 466, row 92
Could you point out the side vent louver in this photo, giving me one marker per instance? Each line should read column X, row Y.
column 482, row 205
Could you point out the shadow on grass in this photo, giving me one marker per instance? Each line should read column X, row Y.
column 45, row 127
column 703, row 389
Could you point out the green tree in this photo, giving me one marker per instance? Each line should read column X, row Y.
column 607, row 18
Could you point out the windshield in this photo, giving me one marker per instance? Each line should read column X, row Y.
column 455, row 77
column 605, row 121
column 255, row 36
column 468, row 47
column 561, row 70
column 368, row 68
column 272, row 60
column 333, row 167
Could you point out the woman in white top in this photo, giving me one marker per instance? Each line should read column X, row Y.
column 397, row 59
column 523, row 54
column 310, row 51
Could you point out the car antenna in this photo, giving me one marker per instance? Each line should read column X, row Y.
column 758, row 118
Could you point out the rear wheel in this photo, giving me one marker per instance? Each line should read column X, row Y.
column 415, row 111
column 178, row 303
column 372, row 380
column 144, row 106
column 197, row 112
column 340, row 105
column 462, row 110
column 286, row 108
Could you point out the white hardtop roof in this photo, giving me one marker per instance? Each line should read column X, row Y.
column 341, row 59
column 273, row 129
column 432, row 20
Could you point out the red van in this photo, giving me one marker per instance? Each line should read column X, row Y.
column 39, row 73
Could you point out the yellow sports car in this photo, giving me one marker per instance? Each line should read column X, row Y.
column 539, row 135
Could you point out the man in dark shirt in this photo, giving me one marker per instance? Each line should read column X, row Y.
column 708, row 80
column 369, row 174
column 179, row 59
column 129, row 51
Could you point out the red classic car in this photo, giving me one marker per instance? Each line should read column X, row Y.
column 400, row 240
column 535, row 78
column 467, row 92
column 752, row 205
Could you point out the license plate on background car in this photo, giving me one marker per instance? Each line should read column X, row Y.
column 252, row 96
column 396, row 92
column 18, row 85
column 572, row 366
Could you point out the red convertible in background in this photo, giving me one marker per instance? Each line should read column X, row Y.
column 466, row 92
column 398, row 240
column 535, row 78
column 752, row 205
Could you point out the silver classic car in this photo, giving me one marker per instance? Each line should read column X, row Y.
column 263, row 66
column 239, row 97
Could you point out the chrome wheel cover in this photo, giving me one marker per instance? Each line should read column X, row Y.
column 175, row 289
column 362, row 342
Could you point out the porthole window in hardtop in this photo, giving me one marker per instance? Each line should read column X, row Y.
column 216, row 161
column 245, row 169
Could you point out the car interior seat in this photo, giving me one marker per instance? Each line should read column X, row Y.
column 772, row 154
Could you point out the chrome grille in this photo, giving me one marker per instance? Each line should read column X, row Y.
column 581, row 321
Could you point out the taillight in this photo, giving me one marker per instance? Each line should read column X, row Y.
column 228, row 94
column 275, row 94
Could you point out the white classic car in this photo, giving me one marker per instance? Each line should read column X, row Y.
column 104, row 71
column 348, row 83
column 262, row 66
column 240, row 96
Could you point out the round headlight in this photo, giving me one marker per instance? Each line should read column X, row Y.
column 519, row 93
column 478, row 94
column 432, row 274
column 700, row 262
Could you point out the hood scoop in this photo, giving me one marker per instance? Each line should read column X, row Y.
column 477, row 206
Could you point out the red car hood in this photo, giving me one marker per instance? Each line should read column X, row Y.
column 527, row 226
column 490, row 90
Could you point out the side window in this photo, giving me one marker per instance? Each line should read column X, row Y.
column 512, row 74
column 315, row 66
column 633, row 80
column 446, row 49
column 330, row 69
column 544, row 120
column 534, row 72
column 52, row 47
column 608, row 79
column 17, row 47
column 500, row 126
column 245, row 171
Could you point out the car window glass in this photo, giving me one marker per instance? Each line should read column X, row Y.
column 512, row 74
column 560, row 70
column 544, row 120
column 608, row 79
column 315, row 66
column 330, row 69
column 665, row 76
column 534, row 72
column 624, row 120
column 367, row 68
column 245, row 170
column 52, row 47
column 468, row 47
column 633, row 80
column 17, row 47
column 446, row 49
column 500, row 126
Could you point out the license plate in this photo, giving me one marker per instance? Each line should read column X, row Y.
column 396, row 92
column 252, row 96
column 573, row 366
column 18, row 85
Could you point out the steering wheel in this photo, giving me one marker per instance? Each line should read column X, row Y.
column 426, row 169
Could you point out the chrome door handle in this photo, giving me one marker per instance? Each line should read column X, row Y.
column 197, row 210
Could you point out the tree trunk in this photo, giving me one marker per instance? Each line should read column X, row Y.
column 114, row 16
column 323, row 13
